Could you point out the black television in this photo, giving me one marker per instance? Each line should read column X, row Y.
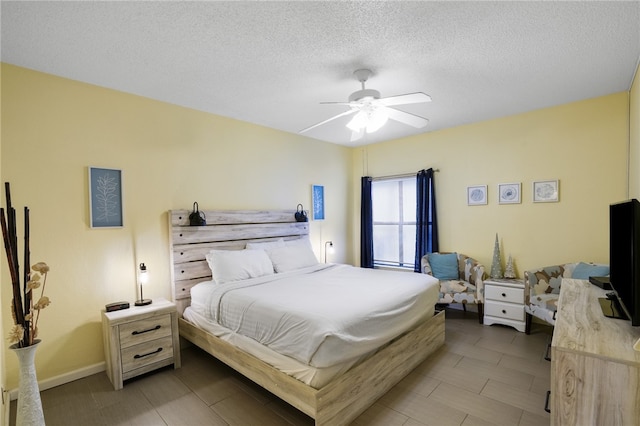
column 624, row 256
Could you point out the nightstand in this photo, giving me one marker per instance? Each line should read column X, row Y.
column 504, row 302
column 140, row 339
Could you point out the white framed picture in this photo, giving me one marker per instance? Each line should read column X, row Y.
column 509, row 193
column 546, row 191
column 476, row 195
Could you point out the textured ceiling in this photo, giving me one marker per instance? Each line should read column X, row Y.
column 272, row 63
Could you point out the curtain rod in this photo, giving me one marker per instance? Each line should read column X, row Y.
column 405, row 175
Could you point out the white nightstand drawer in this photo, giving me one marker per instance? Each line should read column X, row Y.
column 504, row 310
column 144, row 330
column 504, row 294
column 146, row 353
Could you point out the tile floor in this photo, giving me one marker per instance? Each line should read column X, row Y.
column 484, row 375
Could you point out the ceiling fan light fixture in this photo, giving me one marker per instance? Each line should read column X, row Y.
column 370, row 120
column 377, row 119
column 358, row 122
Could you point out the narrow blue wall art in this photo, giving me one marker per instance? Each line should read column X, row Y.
column 317, row 192
column 105, row 198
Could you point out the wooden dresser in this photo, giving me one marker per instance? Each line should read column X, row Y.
column 140, row 339
column 595, row 373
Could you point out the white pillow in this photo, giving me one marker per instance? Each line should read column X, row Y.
column 295, row 254
column 267, row 245
column 235, row 265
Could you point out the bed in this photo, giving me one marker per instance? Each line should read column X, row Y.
column 333, row 392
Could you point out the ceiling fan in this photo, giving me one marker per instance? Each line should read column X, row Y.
column 372, row 112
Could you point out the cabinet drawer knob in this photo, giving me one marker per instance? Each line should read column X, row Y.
column 137, row 356
column 504, row 294
column 504, row 311
column 135, row 333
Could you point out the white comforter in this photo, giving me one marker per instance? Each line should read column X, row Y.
column 320, row 315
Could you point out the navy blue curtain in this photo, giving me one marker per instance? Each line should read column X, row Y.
column 366, row 224
column 426, row 223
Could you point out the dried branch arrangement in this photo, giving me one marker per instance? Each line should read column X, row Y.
column 24, row 311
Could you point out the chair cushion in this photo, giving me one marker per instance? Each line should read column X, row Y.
column 468, row 296
column 585, row 270
column 454, row 286
column 546, row 301
column 444, row 266
column 543, row 306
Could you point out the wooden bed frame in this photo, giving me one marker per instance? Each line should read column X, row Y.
column 345, row 397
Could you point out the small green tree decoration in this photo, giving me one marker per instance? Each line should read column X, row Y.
column 496, row 267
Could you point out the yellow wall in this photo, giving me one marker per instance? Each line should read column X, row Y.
column 53, row 129
column 634, row 137
column 4, row 410
column 583, row 144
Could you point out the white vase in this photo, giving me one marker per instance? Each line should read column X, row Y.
column 29, row 411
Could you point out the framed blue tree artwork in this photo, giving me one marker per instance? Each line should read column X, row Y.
column 105, row 198
column 317, row 194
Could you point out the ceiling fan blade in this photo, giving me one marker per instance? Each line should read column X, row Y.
column 409, row 98
column 407, row 118
column 351, row 111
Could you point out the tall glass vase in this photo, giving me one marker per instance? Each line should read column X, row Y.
column 29, row 411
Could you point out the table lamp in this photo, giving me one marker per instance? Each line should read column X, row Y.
column 143, row 277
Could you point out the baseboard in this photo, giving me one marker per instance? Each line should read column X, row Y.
column 64, row 378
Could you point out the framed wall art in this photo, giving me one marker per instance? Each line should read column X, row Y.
column 105, row 198
column 317, row 195
column 546, row 191
column 509, row 193
column 476, row 195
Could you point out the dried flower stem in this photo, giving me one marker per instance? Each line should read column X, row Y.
column 34, row 324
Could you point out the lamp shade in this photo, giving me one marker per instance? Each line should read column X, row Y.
column 143, row 274
column 328, row 248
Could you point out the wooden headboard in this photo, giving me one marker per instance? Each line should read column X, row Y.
column 225, row 230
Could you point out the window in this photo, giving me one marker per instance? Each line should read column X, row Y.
column 394, row 222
